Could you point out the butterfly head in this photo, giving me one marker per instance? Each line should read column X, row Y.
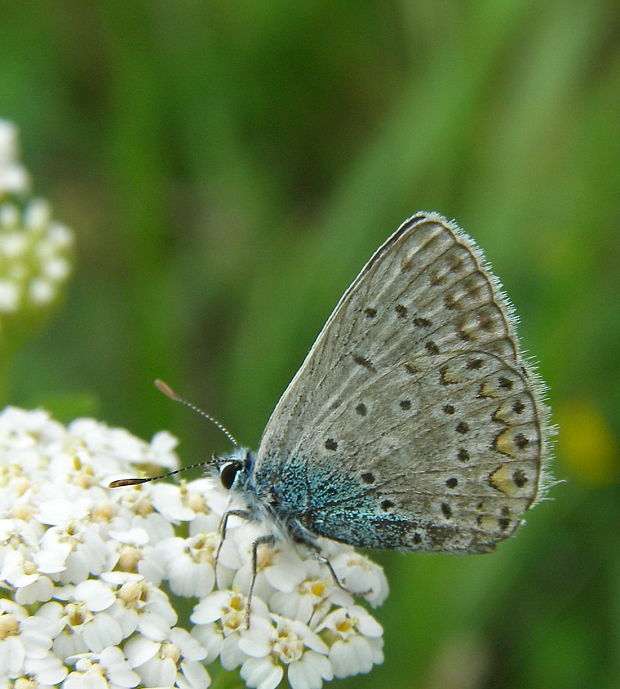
column 235, row 468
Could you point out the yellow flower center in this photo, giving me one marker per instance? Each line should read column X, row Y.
column 9, row 626
column 169, row 650
column 129, row 558
column 288, row 647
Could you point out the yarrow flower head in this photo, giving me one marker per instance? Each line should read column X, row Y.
column 88, row 574
column 35, row 250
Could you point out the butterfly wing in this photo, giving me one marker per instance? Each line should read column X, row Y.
column 413, row 422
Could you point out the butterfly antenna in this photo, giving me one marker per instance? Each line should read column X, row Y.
column 169, row 392
column 136, row 481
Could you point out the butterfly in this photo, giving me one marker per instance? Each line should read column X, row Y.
column 414, row 423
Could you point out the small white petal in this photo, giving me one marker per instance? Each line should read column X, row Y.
column 117, row 668
column 51, row 611
column 137, row 536
column 53, row 557
column 12, row 655
column 351, row 657
column 95, row 594
column 189, row 579
column 156, row 526
column 158, row 672
column 257, row 640
column 13, row 569
column 11, row 608
column 48, row 670
column 69, row 644
column 211, row 608
column 36, row 636
column 154, row 626
column 188, row 645
column 103, row 630
column 377, row 650
column 261, row 673
column 231, row 656
column 59, row 511
column 152, row 566
column 310, row 639
column 288, row 571
column 79, row 680
column 368, row 626
column 196, row 674
column 310, row 671
column 211, row 639
column 139, row 650
column 126, row 618
column 38, row 591
column 166, row 499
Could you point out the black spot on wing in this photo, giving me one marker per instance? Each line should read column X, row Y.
column 364, row 362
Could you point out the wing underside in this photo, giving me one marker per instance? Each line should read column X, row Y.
column 415, row 392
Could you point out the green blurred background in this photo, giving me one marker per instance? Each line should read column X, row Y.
column 228, row 167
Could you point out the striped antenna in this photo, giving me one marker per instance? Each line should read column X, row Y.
column 169, row 392
column 136, row 481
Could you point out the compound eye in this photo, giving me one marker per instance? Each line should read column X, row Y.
column 228, row 473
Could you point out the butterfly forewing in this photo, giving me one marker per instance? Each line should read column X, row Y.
column 414, row 406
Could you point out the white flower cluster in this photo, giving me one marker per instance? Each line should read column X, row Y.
column 34, row 257
column 35, row 250
column 85, row 570
column 13, row 176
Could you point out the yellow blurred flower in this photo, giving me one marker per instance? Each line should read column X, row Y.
column 586, row 442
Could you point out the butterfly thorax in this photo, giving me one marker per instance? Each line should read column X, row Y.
column 264, row 502
column 282, row 501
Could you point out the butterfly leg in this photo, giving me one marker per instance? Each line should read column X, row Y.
column 323, row 560
column 301, row 535
column 243, row 514
column 268, row 539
